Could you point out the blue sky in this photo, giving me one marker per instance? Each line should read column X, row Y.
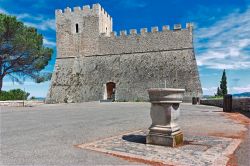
column 221, row 35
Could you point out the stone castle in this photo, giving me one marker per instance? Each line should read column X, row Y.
column 94, row 63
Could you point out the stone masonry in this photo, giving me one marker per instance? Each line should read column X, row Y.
column 94, row 63
column 238, row 104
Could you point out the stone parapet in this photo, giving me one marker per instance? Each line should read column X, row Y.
column 212, row 102
column 20, row 103
column 155, row 29
column 144, row 42
column 239, row 104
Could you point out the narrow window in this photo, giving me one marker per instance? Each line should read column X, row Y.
column 77, row 28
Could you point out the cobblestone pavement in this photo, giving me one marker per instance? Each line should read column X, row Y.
column 47, row 134
column 197, row 150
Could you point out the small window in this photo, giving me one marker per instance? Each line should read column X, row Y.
column 77, row 28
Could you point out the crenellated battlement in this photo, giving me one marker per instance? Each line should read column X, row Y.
column 90, row 21
column 106, row 23
column 154, row 29
column 87, row 10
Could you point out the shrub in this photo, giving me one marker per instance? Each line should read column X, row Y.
column 139, row 100
column 14, row 94
column 33, row 98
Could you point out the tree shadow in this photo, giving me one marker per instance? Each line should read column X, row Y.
column 135, row 138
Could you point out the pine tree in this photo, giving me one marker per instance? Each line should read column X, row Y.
column 218, row 92
column 22, row 53
column 223, row 83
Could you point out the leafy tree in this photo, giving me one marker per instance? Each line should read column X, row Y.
column 22, row 53
column 222, row 90
column 14, row 94
column 33, row 98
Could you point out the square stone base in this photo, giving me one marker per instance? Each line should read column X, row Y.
column 165, row 140
column 199, row 150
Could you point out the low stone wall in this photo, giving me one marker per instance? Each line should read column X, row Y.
column 239, row 104
column 212, row 102
column 20, row 103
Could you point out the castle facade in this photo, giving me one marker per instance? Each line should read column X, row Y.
column 94, row 63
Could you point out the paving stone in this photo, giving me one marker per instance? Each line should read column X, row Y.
column 197, row 150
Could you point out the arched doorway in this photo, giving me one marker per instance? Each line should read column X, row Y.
column 110, row 88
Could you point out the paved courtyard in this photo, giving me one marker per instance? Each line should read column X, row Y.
column 51, row 134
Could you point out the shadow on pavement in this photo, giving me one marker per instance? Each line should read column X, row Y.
column 135, row 138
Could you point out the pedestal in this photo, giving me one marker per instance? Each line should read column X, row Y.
column 164, row 113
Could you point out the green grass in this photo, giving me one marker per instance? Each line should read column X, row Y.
column 215, row 97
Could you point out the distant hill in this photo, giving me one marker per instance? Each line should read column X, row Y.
column 207, row 96
column 245, row 94
column 40, row 98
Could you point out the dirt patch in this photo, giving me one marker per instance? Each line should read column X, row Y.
column 131, row 159
column 238, row 117
column 232, row 160
column 239, row 135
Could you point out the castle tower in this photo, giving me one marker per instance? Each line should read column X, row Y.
column 77, row 31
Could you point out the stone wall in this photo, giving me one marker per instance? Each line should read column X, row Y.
column 212, row 102
column 20, row 103
column 83, row 79
column 146, row 42
column 239, row 104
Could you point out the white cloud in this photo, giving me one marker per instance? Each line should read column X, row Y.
column 43, row 25
column 48, row 24
column 3, row 11
column 47, row 42
column 22, row 16
column 225, row 44
column 209, row 90
column 37, row 21
column 209, row 75
column 242, row 89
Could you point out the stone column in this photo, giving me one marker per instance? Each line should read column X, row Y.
column 227, row 103
column 164, row 113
